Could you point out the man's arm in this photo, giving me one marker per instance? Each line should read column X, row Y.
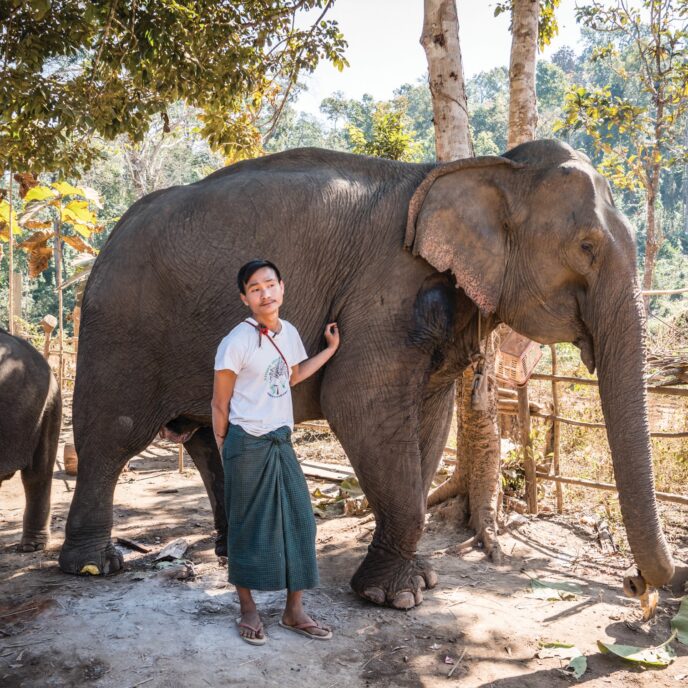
column 306, row 368
column 223, row 388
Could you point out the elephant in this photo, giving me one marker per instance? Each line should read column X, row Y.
column 30, row 420
column 416, row 263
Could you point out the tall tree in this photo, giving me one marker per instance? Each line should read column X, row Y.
column 440, row 40
column 72, row 69
column 524, row 43
column 476, row 477
column 636, row 125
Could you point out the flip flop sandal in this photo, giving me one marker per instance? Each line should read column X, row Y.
column 251, row 641
column 302, row 629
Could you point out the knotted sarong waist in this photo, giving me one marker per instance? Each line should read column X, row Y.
column 271, row 527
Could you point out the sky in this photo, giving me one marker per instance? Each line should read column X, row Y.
column 384, row 49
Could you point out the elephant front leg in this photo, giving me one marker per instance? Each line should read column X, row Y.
column 391, row 572
column 378, row 428
column 36, row 525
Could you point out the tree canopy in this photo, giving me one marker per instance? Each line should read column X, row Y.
column 73, row 69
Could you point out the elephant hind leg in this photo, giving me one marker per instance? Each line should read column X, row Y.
column 203, row 450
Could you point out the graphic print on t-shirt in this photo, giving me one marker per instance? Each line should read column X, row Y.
column 277, row 377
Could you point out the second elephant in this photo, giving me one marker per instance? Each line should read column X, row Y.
column 30, row 419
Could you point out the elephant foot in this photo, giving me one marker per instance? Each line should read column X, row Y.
column 32, row 543
column 387, row 578
column 95, row 562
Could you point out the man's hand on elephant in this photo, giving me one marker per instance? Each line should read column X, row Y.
column 332, row 336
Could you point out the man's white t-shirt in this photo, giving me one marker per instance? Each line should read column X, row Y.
column 261, row 401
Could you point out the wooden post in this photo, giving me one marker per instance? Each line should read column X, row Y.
column 10, row 266
column 48, row 324
column 60, row 314
column 526, row 443
column 556, row 429
column 76, row 322
column 181, row 458
column 16, row 314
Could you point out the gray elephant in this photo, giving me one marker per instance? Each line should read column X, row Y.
column 406, row 258
column 30, row 418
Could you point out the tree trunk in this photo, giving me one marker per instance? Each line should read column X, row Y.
column 475, row 480
column 60, row 313
column 440, row 40
column 653, row 242
column 10, row 267
column 522, row 102
column 685, row 185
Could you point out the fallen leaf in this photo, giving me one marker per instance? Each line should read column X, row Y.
column 548, row 590
column 577, row 666
column 660, row 656
column 557, row 649
column 679, row 624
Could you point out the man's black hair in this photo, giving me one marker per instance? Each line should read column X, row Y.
column 246, row 272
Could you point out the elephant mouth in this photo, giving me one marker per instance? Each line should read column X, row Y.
column 587, row 350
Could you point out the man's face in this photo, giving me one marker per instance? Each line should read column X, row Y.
column 264, row 293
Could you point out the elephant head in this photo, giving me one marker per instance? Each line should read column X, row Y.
column 534, row 238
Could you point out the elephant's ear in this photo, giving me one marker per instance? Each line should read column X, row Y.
column 457, row 221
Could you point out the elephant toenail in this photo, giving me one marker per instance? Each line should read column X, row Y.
column 404, row 600
column 431, row 578
column 418, row 597
column 420, row 582
column 376, row 595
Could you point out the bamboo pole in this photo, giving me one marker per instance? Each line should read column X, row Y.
column 10, row 266
column 663, row 292
column 526, row 443
column 610, row 487
column 556, row 430
column 666, row 391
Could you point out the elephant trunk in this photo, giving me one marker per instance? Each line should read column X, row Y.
column 619, row 345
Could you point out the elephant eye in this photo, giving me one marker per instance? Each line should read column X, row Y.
column 588, row 248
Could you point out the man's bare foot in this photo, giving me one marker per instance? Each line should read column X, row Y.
column 250, row 626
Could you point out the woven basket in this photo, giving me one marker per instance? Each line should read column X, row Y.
column 516, row 359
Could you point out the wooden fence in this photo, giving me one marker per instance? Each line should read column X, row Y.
column 525, row 412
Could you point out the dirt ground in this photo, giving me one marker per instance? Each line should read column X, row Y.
column 481, row 624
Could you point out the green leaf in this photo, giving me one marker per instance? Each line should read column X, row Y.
column 577, row 666
column 556, row 649
column 546, row 590
column 67, row 189
column 78, row 212
column 679, row 623
column 39, row 193
column 660, row 656
column 351, row 486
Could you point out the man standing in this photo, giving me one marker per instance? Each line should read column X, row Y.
column 271, row 527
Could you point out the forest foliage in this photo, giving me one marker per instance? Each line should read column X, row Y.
column 585, row 97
